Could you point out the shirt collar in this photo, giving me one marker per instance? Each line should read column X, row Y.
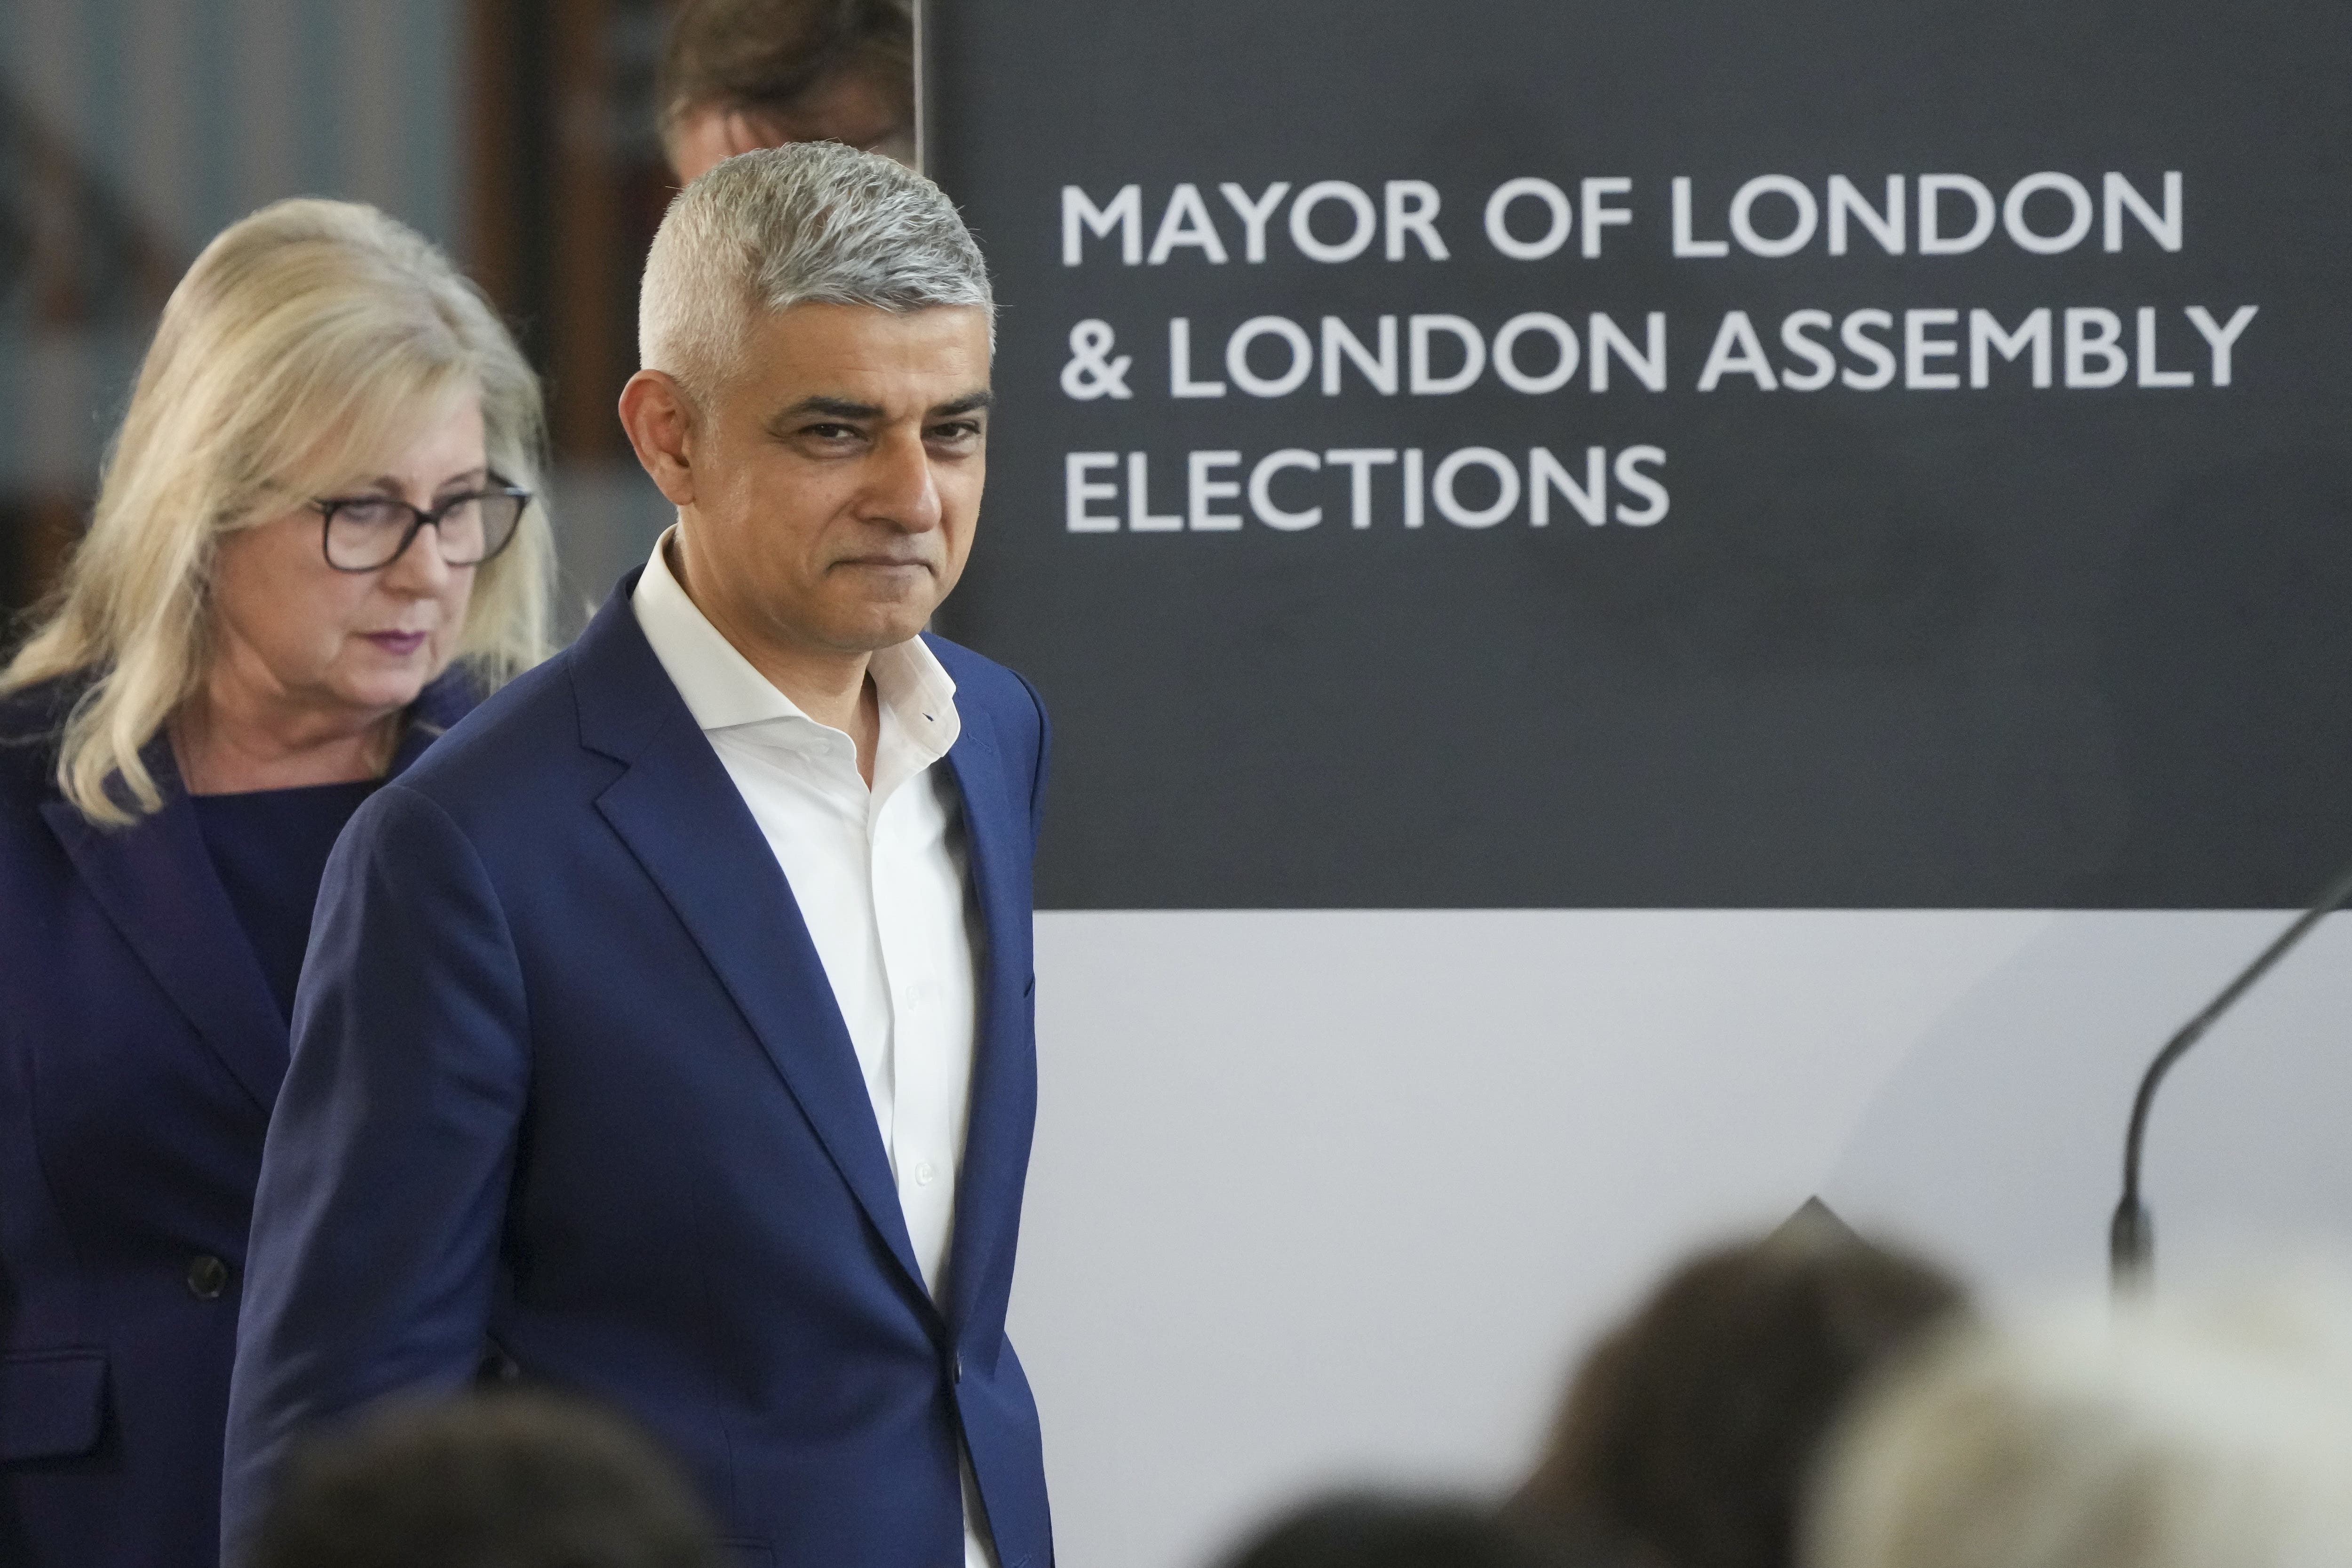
column 722, row 689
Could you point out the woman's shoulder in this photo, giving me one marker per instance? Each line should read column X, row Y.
column 33, row 721
column 44, row 702
column 448, row 697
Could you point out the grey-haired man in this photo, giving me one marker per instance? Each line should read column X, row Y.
column 668, row 1035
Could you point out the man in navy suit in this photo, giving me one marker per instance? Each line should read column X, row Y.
column 667, row 1033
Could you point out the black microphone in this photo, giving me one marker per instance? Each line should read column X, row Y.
column 2131, row 1237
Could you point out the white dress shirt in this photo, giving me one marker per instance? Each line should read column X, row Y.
column 880, row 876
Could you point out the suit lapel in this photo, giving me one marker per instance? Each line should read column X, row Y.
column 155, row 880
column 1004, row 1068
column 684, row 820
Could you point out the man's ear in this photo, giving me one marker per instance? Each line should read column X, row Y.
column 748, row 132
column 660, row 418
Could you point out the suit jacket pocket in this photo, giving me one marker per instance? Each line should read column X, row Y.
column 52, row 1404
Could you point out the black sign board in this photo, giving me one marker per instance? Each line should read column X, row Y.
column 1625, row 455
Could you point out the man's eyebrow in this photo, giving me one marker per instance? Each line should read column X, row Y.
column 970, row 402
column 833, row 408
column 844, row 408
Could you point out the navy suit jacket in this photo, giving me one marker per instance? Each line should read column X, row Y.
column 140, row 1051
column 570, row 1088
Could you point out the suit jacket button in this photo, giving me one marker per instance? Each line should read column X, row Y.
column 955, row 1371
column 207, row 1278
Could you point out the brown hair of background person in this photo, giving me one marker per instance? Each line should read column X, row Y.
column 739, row 74
column 1369, row 1530
column 507, row 1479
column 1687, row 1436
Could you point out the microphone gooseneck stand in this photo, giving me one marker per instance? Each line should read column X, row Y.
column 2131, row 1238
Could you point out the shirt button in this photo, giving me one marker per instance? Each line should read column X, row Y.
column 926, row 1174
column 207, row 1278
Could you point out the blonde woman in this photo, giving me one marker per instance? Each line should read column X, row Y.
column 315, row 548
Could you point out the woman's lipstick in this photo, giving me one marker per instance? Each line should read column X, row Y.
column 400, row 645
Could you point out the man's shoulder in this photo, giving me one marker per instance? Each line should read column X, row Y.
column 1003, row 714
column 515, row 746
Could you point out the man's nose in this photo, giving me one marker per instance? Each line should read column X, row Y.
column 900, row 488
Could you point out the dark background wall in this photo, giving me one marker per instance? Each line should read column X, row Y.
column 518, row 133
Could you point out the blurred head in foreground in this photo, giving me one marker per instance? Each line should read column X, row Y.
column 496, row 1480
column 1367, row 1530
column 2197, row 1434
column 1687, row 1436
column 739, row 74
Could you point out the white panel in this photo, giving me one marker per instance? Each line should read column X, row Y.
column 1329, row 1195
column 1321, row 1196
column 2001, row 1138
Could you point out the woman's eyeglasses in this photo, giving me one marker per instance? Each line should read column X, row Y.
column 367, row 533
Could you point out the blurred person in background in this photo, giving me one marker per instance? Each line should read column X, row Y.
column 739, row 74
column 1687, row 1436
column 313, row 550
column 509, row 1479
column 1371, row 1530
column 2205, row 1432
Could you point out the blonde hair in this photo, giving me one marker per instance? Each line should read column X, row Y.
column 2205, row 1433
column 302, row 344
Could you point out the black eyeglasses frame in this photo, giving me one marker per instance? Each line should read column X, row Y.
column 326, row 506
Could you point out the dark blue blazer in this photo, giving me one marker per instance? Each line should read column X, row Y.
column 570, row 1088
column 140, row 1051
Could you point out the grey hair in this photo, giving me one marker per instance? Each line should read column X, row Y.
column 2205, row 1431
column 813, row 223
